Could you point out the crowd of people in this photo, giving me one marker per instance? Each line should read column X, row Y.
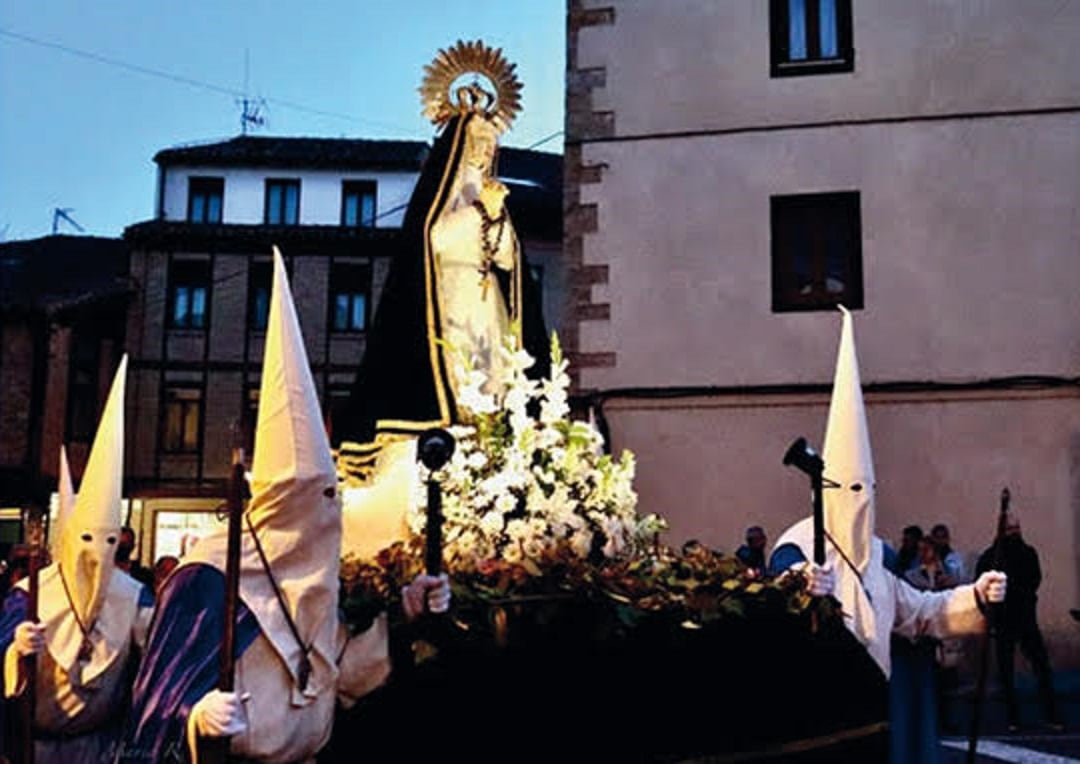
column 17, row 564
column 930, row 562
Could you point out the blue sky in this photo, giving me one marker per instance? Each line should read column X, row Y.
column 81, row 134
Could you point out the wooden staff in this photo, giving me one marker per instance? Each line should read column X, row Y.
column 992, row 613
column 433, row 449
column 433, row 531
column 29, row 664
column 215, row 750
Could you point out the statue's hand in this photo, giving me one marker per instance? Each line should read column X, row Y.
column 492, row 196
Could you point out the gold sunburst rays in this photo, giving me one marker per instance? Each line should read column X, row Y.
column 440, row 104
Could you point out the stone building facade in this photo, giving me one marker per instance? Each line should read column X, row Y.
column 734, row 170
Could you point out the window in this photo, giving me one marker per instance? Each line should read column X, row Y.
column 83, row 389
column 182, row 419
column 204, row 199
column 260, row 279
column 189, row 285
column 282, row 202
column 811, row 37
column 816, row 252
column 336, row 405
column 358, row 203
column 350, row 284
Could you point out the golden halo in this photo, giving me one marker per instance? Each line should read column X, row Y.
column 440, row 104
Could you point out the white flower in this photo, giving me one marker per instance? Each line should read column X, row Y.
column 512, row 552
column 516, row 360
column 614, row 532
column 471, row 393
column 505, row 503
column 491, row 523
column 533, row 548
column 581, row 543
column 517, row 530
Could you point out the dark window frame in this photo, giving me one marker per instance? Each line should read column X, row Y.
column 256, row 270
column 360, row 188
column 204, row 187
column 83, row 403
column 340, row 285
column 182, row 276
column 821, row 211
column 781, row 63
column 284, row 183
column 335, row 403
column 181, row 447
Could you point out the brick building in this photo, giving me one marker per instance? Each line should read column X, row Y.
column 62, row 307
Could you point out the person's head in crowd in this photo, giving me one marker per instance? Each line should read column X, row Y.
column 19, row 564
column 124, row 548
column 940, row 534
column 755, row 538
column 909, row 541
column 1012, row 527
column 929, row 553
column 162, row 568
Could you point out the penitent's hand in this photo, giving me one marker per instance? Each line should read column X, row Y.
column 434, row 591
column 220, row 714
column 820, row 581
column 29, row 639
column 990, row 586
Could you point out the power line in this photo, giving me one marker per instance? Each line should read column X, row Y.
column 192, row 82
column 544, row 140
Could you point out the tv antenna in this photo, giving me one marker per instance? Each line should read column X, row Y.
column 61, row 213
column 250, row 108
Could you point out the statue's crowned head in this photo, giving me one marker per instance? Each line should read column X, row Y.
column 445, row 93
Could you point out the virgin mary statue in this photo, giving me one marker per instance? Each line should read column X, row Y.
column 457, row 287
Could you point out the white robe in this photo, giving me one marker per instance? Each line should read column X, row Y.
column 896, row 606
column 281, row 731
column 77, row 701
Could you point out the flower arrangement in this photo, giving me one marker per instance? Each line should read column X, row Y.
column 526, row 485
column 534, row 511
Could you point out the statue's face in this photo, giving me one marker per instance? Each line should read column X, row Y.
column 481, row 140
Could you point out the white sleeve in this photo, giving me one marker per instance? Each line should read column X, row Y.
column 364, row 663
column 14, row 679
column 141, row 627
column 949, row 613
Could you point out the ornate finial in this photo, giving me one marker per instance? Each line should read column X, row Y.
column 440, row 104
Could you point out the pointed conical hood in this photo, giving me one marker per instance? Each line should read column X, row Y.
column 90, row 533
column 295, row 511
column 290, row 439
column 849, row 509
column 65, row 491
